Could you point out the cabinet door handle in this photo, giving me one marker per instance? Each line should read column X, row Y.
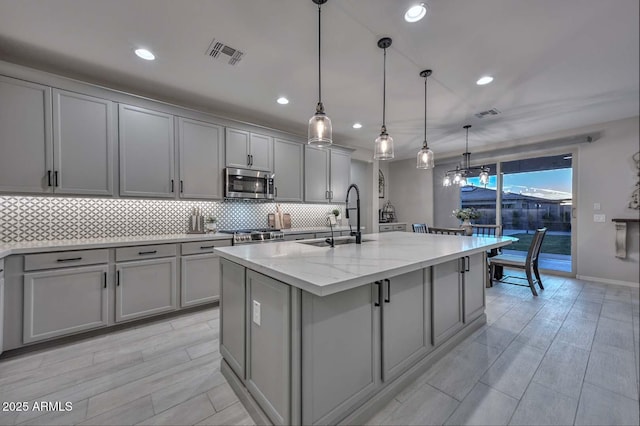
column 49, row 177
column 388, row 299
column 248, row 160
column 117, row 278
column 70, row 259
column 275, row 191
column 141, row 253
column 467, row 263
column 105, row 280
column 206, row 247
column 379, row 302
column 55, row 178
column 171, row 185
column 181, row 186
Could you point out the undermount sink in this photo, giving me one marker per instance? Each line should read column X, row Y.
column 336, row 242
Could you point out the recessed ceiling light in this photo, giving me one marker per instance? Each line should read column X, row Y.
column 357, row 126
column 484, row 80
column 282, row 100
column 145, row 54
column 415, row 12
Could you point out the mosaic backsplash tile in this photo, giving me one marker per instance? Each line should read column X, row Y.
column 49, row 218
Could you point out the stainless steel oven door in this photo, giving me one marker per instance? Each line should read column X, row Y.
column 253, row 184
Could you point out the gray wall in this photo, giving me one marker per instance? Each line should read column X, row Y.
column 410, row 190
column 606, row 174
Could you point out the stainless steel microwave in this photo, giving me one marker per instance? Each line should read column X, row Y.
column 244, row 183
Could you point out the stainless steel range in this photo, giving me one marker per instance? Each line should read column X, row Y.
column 253, row 236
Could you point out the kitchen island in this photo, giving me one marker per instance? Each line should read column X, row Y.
column 321, row 335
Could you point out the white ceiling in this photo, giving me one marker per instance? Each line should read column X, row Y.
column 557, row 64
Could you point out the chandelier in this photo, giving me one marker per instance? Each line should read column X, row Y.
column 460, row 174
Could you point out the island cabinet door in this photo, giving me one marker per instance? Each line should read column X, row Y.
column 475, row 274
column 340, row 353
column 446, row 300
column 269, row 346
column 405, row 322
column 233, row 315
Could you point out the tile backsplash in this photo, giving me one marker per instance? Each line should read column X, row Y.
column 54, row 218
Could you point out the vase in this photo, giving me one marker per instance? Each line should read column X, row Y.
column 468, row 228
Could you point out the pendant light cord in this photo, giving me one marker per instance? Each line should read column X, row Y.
column 425, row 112
column 319, row 57
column 384, row 89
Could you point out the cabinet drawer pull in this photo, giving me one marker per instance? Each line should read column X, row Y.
column 388, row 299
column 206, row 247
column 1, row 270
column 117, row 278
column 71, row 259
column 147, row 252
column 105, row 280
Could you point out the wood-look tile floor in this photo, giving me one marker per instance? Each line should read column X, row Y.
column 569, row 356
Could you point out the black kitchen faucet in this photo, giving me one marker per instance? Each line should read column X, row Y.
column 356, row 233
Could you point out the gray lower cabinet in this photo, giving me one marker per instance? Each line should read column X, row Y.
column 340, row 352
column 406, row 321
column 200, row 279
column 447, row 316
column 145, row 287
column 475, row 275
column 269, row 346
column 64, row 301
column 233, row 315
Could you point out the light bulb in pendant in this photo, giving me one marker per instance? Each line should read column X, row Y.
column 446, row 181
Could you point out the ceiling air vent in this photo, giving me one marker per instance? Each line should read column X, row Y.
column 487, row 113
column 219, row 50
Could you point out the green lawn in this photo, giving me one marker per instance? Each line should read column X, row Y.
column 555, row 244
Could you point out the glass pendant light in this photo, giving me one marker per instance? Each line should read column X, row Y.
column 384, row 142
column 446, row 181
column 319, row 125
column 484, row 176
column 425, row 159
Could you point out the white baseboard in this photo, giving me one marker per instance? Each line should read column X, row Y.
column 608, row 281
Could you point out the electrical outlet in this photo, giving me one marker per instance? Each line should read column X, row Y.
column 256, row 312
column 596, row 206
column 599, row 218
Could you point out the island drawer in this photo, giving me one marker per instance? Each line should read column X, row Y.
column 199, row 247
column 386, row 228
column 63, row 259
column 145, row 252
column 399, row 227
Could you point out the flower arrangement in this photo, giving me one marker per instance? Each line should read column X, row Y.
column 466, row 214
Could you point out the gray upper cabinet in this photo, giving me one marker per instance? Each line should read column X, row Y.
column 447, row 290
column 316, row 174
column 340, row 174
column 201, row 159
column 248, row 150
column 83, row 140
column 327, row 174
column 289, row 170
column 406, row 322
column 26, row 156
column 146, row 153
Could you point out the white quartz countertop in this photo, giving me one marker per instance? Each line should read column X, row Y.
column 324, row 270
column 25, row 247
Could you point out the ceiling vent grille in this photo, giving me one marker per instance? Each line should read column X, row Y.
column 219, row 50
column 487, row 113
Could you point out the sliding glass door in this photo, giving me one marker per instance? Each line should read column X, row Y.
column 537, row 193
